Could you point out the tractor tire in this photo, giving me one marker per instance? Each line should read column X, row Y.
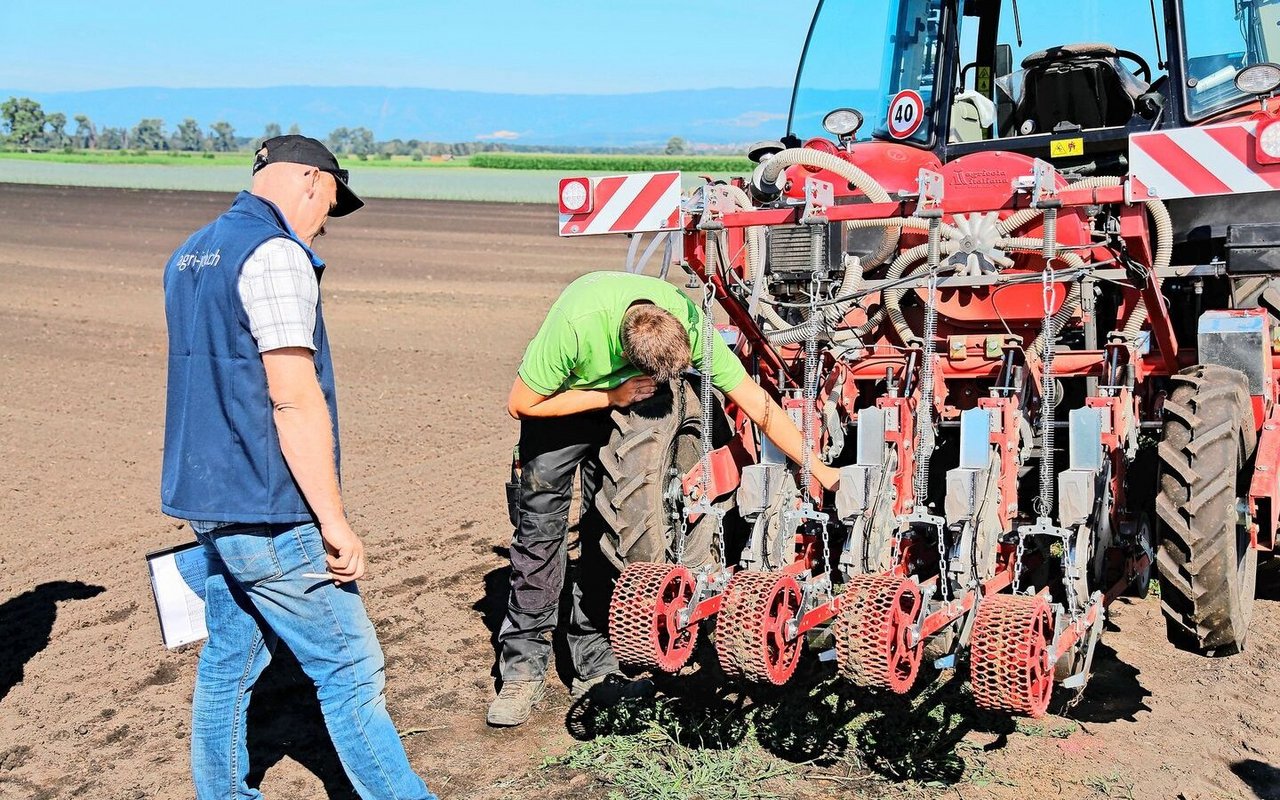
column 652, row 444
column 1207, row 567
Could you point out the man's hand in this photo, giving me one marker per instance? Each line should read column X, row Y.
column 345, row 551
column 632, row 391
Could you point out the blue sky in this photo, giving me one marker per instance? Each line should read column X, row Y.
column 591, row 46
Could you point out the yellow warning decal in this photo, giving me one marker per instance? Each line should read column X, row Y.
column 983, row 81
column 1063, row 148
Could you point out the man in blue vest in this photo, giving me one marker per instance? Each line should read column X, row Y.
column 251, row 461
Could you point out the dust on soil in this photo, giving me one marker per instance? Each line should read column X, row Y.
column 429, row 305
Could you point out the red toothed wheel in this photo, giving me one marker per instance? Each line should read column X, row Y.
column 1010, row 667
column 872, row 633
column 644, row 625
column 751, row 630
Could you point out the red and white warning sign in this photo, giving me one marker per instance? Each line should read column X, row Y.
column 620, row 204
column 906, row 112
column 1196, row 162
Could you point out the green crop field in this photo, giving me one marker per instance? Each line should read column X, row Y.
column 589, row 162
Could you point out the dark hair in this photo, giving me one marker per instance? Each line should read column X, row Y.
column 655, row 342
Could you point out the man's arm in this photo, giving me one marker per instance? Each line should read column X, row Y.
column 525, row 403
column 306, row 440
column 777, row 425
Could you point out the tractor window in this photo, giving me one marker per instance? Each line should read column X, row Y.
column 1057, row 64
column 1222, row 37
column 893, row 87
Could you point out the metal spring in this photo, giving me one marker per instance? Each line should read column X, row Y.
column 925, row 413
column 1048, row 388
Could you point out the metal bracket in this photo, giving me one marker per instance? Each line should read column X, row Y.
column 1079, row 679
column 819, row 195
column 814, row 591
column 711, row 580
column 1042, row 183
column 931, row 190
column 717, row 202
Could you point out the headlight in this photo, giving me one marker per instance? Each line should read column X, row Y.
column 1259, row 78
column 842, row 122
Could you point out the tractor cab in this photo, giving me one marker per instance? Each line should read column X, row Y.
column 1069, row 82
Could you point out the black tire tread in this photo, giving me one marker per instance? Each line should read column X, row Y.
column 1204, row 448
column 635, row 465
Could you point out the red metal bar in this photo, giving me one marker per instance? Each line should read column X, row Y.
column 760, row 347
column 790, row 216
column 820, row 615
column 1161, row 324
column 707, row 608
column 1066, row 363
column 1264, row 487
column 957, row 608
column 726, row 472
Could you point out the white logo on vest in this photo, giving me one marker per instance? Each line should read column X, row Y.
column 199, row 260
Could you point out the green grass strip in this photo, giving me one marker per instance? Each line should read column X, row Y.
column 610, row 163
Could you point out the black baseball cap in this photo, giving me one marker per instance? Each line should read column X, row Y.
column 294, row 149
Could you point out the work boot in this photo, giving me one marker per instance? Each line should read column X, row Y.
column 515, row 702
column 610, row 688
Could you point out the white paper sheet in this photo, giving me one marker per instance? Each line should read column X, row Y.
column 179, row 603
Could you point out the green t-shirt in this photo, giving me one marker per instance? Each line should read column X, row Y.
column 579, row 345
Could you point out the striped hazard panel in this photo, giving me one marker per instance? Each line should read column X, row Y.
column 628, row 204
column 1196, row 162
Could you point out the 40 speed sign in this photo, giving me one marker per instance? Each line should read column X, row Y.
column 906, row 112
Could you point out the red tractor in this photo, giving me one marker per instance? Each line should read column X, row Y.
column 1030, row 316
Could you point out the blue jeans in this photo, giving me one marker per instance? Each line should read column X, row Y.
column 256, row 596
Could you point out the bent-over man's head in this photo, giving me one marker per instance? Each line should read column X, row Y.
column 655, row 342
column 302, row 178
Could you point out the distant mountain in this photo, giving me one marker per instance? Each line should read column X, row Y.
column 711, row 116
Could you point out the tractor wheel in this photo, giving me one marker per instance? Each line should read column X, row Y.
column 653, row 444
column 1206, row 564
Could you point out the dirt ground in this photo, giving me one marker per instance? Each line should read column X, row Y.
column 429, row 306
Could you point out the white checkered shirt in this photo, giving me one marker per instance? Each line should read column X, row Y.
column 279, row 290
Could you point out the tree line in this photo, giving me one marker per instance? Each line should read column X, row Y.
column 24, row 125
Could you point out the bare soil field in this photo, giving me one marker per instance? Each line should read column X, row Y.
column 429, row 306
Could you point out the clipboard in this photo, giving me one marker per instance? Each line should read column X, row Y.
column 178, row 576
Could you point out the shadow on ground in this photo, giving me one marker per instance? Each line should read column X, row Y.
column 285, row 722
column 1262, row 778
column 26, row 621
column 820, row 720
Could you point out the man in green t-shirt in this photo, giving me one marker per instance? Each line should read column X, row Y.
column 608, row 342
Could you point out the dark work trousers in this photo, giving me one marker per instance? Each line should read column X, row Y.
column 551, row 451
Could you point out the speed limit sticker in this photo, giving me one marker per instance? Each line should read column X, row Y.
column 906, row 112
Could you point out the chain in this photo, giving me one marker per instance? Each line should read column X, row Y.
column 944, row 580
column 704, row 392
column 1017, row 563
column 682, row 536
column 1044, row 502
column 925, row 415
column 812, row 366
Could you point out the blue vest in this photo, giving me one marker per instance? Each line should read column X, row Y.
column 222, row 459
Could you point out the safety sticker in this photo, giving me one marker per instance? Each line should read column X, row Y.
column 1062, row 148
column 906, row 112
